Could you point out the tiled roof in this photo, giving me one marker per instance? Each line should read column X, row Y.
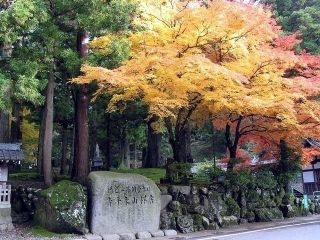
column 11, row 152
column 313, row 142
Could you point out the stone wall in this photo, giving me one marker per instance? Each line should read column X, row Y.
column 194, row 208
column 23, row 203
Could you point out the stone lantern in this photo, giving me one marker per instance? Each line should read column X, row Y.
column 10, row 154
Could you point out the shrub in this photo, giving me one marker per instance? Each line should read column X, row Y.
column 232, row 207
column 240, row 179
column 265, row 180
column 207, row 171
column 179, row 173
column 288, row 199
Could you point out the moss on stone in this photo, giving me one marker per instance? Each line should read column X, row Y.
column 253, row 196
column 197, row 220
column 215, row 196
column 63, row 193
column 232, row 207
column 268, row 214
column 62, row 208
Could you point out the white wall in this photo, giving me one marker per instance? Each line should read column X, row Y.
column 308, row 177
column 317, row 165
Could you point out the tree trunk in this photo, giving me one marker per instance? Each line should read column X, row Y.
column 232, row 145
column 4, row 127
column 64, row 149
column 153, row 148
column 81, row 141
column 229, row 145
column 40, row 143
column 135, row 156
column 232, row 156
column 144, row 157
column 124, row 149
column 70, row 169
column 127, row 153
column 182, row 145
column 48, row 131
column 6, row 51
column 213, row 137
column 16, row 134
column 108, row 143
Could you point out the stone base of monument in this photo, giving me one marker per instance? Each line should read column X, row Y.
column 125, row 207
column 131, row 236
column 5, row 218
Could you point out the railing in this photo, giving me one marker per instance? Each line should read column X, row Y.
column 309, row 188
column 5, row 194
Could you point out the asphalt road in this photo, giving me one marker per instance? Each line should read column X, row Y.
column 302, row 231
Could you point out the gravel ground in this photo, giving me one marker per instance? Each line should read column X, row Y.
column 21, row 232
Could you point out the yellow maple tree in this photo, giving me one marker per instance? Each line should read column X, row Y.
column 195, row 59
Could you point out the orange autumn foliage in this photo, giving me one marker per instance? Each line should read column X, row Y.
column 190, row 61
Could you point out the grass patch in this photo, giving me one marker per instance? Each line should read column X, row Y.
column 154, row 174
column 25, row 176
column 34, row 176
column 38, row 231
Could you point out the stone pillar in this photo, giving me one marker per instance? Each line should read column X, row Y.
column 5, row 217
column 5, row 206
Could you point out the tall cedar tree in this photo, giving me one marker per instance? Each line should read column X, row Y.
column 44, row 36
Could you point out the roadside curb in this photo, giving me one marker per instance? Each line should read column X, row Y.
column 242, row 228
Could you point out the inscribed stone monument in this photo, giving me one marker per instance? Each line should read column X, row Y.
column 122, row 203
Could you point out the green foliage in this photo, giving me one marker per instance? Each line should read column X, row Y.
column 288, row 199
column 43, row 37
column 24, row 176
column 207, row 171
column 179, row 173
column 63, row 104
column 243, row 178
column 288, row 167
column 20, row 78
column 4, row 88
column 232, row 208
column 253, row 195
column 265, row 180
column 302, row 16
column 27, row 86
column 22, row 16
column 118, row 51
column 97, row 15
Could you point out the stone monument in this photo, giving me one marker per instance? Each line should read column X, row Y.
column 123, row 203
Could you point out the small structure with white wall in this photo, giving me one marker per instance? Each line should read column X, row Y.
column 311, row 177
column 9, row 154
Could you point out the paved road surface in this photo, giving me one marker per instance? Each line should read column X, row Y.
column 304, row 231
